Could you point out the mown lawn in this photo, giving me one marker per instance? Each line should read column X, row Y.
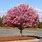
column 7, row 27
column 29, row 29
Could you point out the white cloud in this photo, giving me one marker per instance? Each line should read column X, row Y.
column 2, row 13
column 39, row 13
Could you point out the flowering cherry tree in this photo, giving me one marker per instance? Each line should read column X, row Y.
column 21, row 16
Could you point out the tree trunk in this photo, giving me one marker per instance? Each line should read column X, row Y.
column 21, row 31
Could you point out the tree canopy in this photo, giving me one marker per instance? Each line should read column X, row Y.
column 22, row 15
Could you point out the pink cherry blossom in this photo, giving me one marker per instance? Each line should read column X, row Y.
column 22, row 15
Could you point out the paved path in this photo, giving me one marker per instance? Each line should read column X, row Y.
column 35, row 40
column 32, row 32
column 9, row 32
column 15, row 32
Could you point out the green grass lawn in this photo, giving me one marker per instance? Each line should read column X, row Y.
column 30, row 29
column 7, row 27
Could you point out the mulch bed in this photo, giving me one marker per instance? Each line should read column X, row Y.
column 11, row 38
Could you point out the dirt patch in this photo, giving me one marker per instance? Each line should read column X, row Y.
column 11, row 38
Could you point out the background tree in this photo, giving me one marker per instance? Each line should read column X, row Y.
column 21, row 16
column 40, row 25
column 0, row 21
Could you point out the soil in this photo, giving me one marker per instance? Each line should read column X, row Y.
column 11, row 38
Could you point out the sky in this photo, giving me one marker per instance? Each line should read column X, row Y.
column 5, row 5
